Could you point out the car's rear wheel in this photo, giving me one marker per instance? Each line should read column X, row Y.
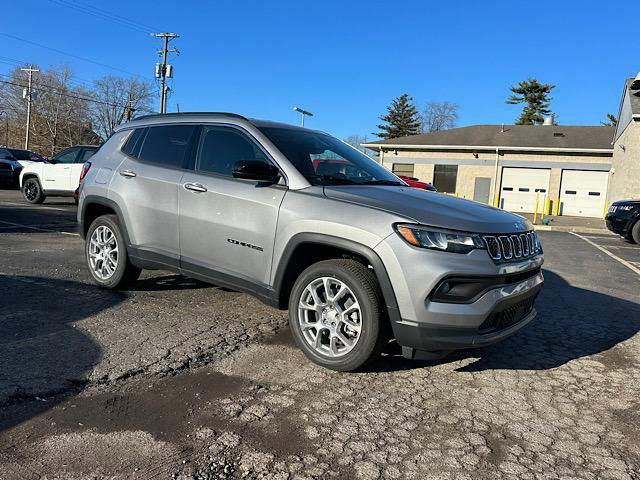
column 32, row 191
column 106, row 254
column 336, row 314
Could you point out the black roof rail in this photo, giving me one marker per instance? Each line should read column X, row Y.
column 182, row 114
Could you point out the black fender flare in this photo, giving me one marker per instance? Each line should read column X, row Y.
column 105, row 202
column 344, row 244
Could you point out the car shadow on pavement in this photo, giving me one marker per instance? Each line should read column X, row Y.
column 572, row 323
column 168, row 282
column 45, row 356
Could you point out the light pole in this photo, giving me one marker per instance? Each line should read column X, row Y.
column 6, row 127
column 302, row 113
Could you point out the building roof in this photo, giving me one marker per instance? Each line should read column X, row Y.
column 528, row 137
column 634, row 95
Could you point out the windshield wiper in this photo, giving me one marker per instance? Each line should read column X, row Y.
column 392, row 183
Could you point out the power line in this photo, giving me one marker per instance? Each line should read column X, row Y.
column 105, row 15
column 68, row 54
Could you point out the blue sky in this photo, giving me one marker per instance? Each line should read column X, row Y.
column 346, row 60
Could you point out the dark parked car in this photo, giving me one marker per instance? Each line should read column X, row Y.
column 623, row 218
column 11, row 166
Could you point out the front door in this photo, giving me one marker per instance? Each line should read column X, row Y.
column 227, row 225
column 57, row 176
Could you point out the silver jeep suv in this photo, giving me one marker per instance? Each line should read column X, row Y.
column 307, row 223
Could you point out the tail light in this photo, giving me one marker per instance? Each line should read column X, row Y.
column 85, row 169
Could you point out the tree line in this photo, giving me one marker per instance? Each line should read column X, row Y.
column 66, row 113
column 403, row 119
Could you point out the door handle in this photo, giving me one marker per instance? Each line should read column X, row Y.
column 195, row 187
column 127, row 173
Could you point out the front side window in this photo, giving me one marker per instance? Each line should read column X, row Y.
column 325, row 160
column 67, row 156
column 220, row 148
column 21, row 154
column 166, row 145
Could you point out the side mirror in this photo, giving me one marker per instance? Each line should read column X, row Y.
column 255, row 170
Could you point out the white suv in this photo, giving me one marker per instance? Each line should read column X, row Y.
column 59, row 176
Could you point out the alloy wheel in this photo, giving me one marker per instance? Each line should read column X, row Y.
column 31, row 190
column 330, row 317
column 103, row 252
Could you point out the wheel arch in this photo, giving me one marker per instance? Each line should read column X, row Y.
column 93, row 207
column 304, row 249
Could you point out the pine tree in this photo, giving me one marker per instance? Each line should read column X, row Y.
column 612, row 121
column 536, row 97
column 402, row 119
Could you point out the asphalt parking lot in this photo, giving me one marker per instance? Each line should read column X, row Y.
column 180, row 379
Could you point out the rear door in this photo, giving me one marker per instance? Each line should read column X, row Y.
column 57, row 176
column 147, row 183
column 76, row 168
column 227, row 225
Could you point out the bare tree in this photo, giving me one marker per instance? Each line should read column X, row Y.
column 356, row 141
column 438, row 116
column 114, row 95
column 59, row 110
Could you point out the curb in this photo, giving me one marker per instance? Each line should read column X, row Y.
column 549, row 228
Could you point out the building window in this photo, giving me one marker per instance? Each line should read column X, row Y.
column 404, row 169
column 444, row 178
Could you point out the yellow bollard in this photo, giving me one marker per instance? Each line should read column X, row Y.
column 535, row 213
column 604, row 215
column 456, row 194
column 556, row 207
column 496, row 201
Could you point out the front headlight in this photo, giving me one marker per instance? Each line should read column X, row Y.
column 438, row 239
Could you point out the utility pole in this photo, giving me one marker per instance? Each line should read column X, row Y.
column 128, row 110
column 162, row 69
column 6, row 124
column 28, row 95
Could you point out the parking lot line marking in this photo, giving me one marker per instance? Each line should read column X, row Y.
column 604, row 250
column 11, row 224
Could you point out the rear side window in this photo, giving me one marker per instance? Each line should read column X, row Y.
column 132, row 147
column 166, row 145
column 86, row 154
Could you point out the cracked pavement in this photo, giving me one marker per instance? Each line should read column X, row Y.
column 179, row 379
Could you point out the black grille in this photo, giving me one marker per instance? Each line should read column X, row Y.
column 512, row 247
column 509, row 316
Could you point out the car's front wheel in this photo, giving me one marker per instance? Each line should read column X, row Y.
column 634, row 235
column 336, row 314
column 106, row 254
column 32, row 191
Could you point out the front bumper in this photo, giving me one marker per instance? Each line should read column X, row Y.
column 427, row 325
column 618, row 223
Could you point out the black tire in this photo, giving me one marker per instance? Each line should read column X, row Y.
column 634, row 235
column 32, row 191
column 364, row 285
column 125, row 272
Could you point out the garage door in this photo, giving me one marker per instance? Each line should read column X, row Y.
column 582, row 193
column 520, row 186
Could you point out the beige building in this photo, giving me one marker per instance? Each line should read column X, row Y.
column 624, row 181
column 511, row 166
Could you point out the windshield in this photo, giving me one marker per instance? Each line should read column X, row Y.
column 20, row 154
column 325, row 160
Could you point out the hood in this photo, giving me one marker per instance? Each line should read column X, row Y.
column 431, row 208
column 627, row 202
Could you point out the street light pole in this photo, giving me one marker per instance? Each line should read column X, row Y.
column 303, row 113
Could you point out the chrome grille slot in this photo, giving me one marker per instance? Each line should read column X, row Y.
column 524, row 240
column 517, row 246
column 493, row 247
column 507, row 248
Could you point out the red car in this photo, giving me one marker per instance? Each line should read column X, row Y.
column 415, row 183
